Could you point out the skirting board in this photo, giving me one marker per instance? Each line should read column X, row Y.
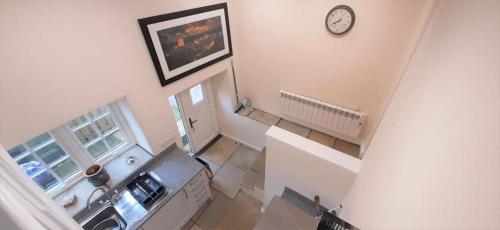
column 243, row 142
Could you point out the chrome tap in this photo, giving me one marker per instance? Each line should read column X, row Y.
column 89, row 198
column 111, row 199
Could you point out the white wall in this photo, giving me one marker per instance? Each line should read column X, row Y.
column 235, row 126
column 284, row 44
column 7, row 222
column 434, row 163
column 60, row 59
column 307, row 167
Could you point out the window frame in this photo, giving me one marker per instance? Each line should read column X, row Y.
column 62, row 183
column 202, row 94
column 85, row 158
column 70, row 144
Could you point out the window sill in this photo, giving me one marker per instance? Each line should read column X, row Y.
column 79, row 175
column 116, row 168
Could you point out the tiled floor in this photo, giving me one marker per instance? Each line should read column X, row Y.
column 220, row 151
column 243, row 157
column 264, row 117
column 255, row 175
column 294, row 128
column 322, row 138
column 347, row 147
column 223, row 213
column 231, row 208
column 229, row 161
column 325, row 139
column 213, row 212
column 227, row 180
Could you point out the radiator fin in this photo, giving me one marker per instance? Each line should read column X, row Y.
column 340, row 120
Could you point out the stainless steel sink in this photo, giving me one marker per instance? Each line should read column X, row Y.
column 106, row 218
column 120, row 211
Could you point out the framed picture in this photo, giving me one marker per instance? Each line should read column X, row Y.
column 184, row 42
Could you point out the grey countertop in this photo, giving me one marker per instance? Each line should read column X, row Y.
column 173, row 167
column 176, row 168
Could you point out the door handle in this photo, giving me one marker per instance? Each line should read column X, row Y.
column 191, row 122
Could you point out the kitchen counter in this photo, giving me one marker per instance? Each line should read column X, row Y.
column 118, row 171
column 176, row 168
column 173, row 167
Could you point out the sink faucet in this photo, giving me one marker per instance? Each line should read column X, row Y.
column 111, row 199
column 89, row 198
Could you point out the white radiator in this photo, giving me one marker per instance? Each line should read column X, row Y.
column 334, row 118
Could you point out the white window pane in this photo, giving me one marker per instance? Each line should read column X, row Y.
column 39, row 140
column 175, row 108
column 17, row 151
column 78, row 121
column 37, row 171
column 97, row 149
column 30, row 165
column 105, row 124
column 101, row 133
column 115, row 139
column 50, row 153
column 65, row 169
column 98, row 112
column 85, row 134
column 196, row 94
column 45, row 180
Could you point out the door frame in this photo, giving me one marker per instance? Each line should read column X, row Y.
column 207, row 85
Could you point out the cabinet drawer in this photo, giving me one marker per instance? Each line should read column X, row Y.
column 197, row 180
column 202, row 196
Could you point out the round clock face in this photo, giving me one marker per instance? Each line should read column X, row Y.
column 340, row 19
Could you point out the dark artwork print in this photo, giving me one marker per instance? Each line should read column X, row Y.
column 189, row 42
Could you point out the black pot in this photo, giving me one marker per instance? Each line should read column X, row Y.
column 97, row 175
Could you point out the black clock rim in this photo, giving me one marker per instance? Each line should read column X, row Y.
column 349, row 9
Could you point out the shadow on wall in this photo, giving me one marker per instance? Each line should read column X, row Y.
column 290, row 159
column 232, row 125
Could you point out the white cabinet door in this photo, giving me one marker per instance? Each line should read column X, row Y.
column 177, row 212
column 198, row 191
column 171, row 216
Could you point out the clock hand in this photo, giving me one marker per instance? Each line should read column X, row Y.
column 340, row 19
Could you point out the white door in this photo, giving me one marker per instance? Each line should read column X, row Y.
column 197, row 115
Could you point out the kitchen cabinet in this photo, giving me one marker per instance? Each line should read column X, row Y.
column 180, row 208
column 198, row 192
column 173, row 215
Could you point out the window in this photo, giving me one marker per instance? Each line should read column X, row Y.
column 98, row 132
column 44, row 161
column 196, row 94
column 56, row 158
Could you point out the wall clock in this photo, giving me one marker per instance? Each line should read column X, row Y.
column 340, row 19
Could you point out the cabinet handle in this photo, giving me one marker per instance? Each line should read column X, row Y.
column 185, row 193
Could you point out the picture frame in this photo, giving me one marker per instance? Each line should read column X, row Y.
column 184, row 42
